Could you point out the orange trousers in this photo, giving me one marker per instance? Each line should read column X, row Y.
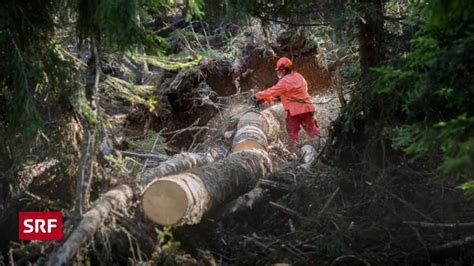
column 293, row 124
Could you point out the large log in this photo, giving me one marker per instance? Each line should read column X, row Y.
column 185, row 198
column 89, row 224
column 258, row 195
column 182, row 162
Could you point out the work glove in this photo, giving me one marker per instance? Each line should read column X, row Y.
column 255, row 100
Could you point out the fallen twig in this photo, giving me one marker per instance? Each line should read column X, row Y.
column 456, row 243
column 345, row 257
column 151, row 155
column 90, row 222
column 246, row 201
column 320, row 213
column 269, row 184
column 407, row 204
column 260, row 244
column 284, row 209
column 437, row 225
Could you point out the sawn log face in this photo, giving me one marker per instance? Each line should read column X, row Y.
column 204, row 188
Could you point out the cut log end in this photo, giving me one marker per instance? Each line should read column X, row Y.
column 165, row 202
column 186, row 197
column 247, row 145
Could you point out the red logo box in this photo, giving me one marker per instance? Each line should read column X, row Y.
column 40, row 226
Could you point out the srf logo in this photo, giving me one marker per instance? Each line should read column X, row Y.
column 40, row 225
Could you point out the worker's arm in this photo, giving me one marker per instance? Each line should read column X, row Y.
column 277, row 89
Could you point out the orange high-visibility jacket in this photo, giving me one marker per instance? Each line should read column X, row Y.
column 293, row 91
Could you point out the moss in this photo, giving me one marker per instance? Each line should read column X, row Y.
column 81, row 106
column 170, row 63
column 153, row 141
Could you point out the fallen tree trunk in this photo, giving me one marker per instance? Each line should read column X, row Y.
column 182, row 162
column 185, row 198
column 90, row 222
column 258, row 195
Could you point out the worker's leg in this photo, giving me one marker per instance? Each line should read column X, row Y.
column 292, row 127
column 309, row 125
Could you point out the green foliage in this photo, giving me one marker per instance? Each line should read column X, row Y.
column 153, row 141
column 444, row 14
column 468, row 187
column 166, row 241
column 245, row 10
column 116, row 22
column 194, row 9
column 425, row 99
column 171, row 63
column 134, row 94
column 81, row 105
column 122, row 164
column 32, row 66
column 168, row 246
column 22, row 108
column 113, row 20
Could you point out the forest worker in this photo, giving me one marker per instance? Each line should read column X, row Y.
column 293, row 91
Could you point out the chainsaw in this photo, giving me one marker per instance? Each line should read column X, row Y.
column 261, row 104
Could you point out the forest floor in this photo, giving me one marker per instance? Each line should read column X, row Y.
column 334, row 213
column 338, row 214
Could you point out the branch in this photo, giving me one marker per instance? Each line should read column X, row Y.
column 169, row 26
column 340, row 61
column 320, row 213
column 436, row 225
column 455, row 243
column 244, row 202
column 291, row 23
column 285, row 209
column 407, row 204
column 394, row 18
column 90, row 223
column 152, row 155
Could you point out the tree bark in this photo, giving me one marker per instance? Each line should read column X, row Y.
column 339, row 89
column 88, row 145
column 258, row 195
column 371, row 34
column 89, row 224
column 185, row 198
column 182, row 162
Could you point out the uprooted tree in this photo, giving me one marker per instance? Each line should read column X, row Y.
column 125, row 75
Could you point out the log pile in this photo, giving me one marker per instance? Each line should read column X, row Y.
column 189, row 186
column 185, row 198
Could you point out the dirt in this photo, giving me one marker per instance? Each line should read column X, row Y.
column 263, row 72
column 318, row 78
column 254, row 72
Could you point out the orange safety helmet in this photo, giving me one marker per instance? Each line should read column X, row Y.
column 284, row 62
